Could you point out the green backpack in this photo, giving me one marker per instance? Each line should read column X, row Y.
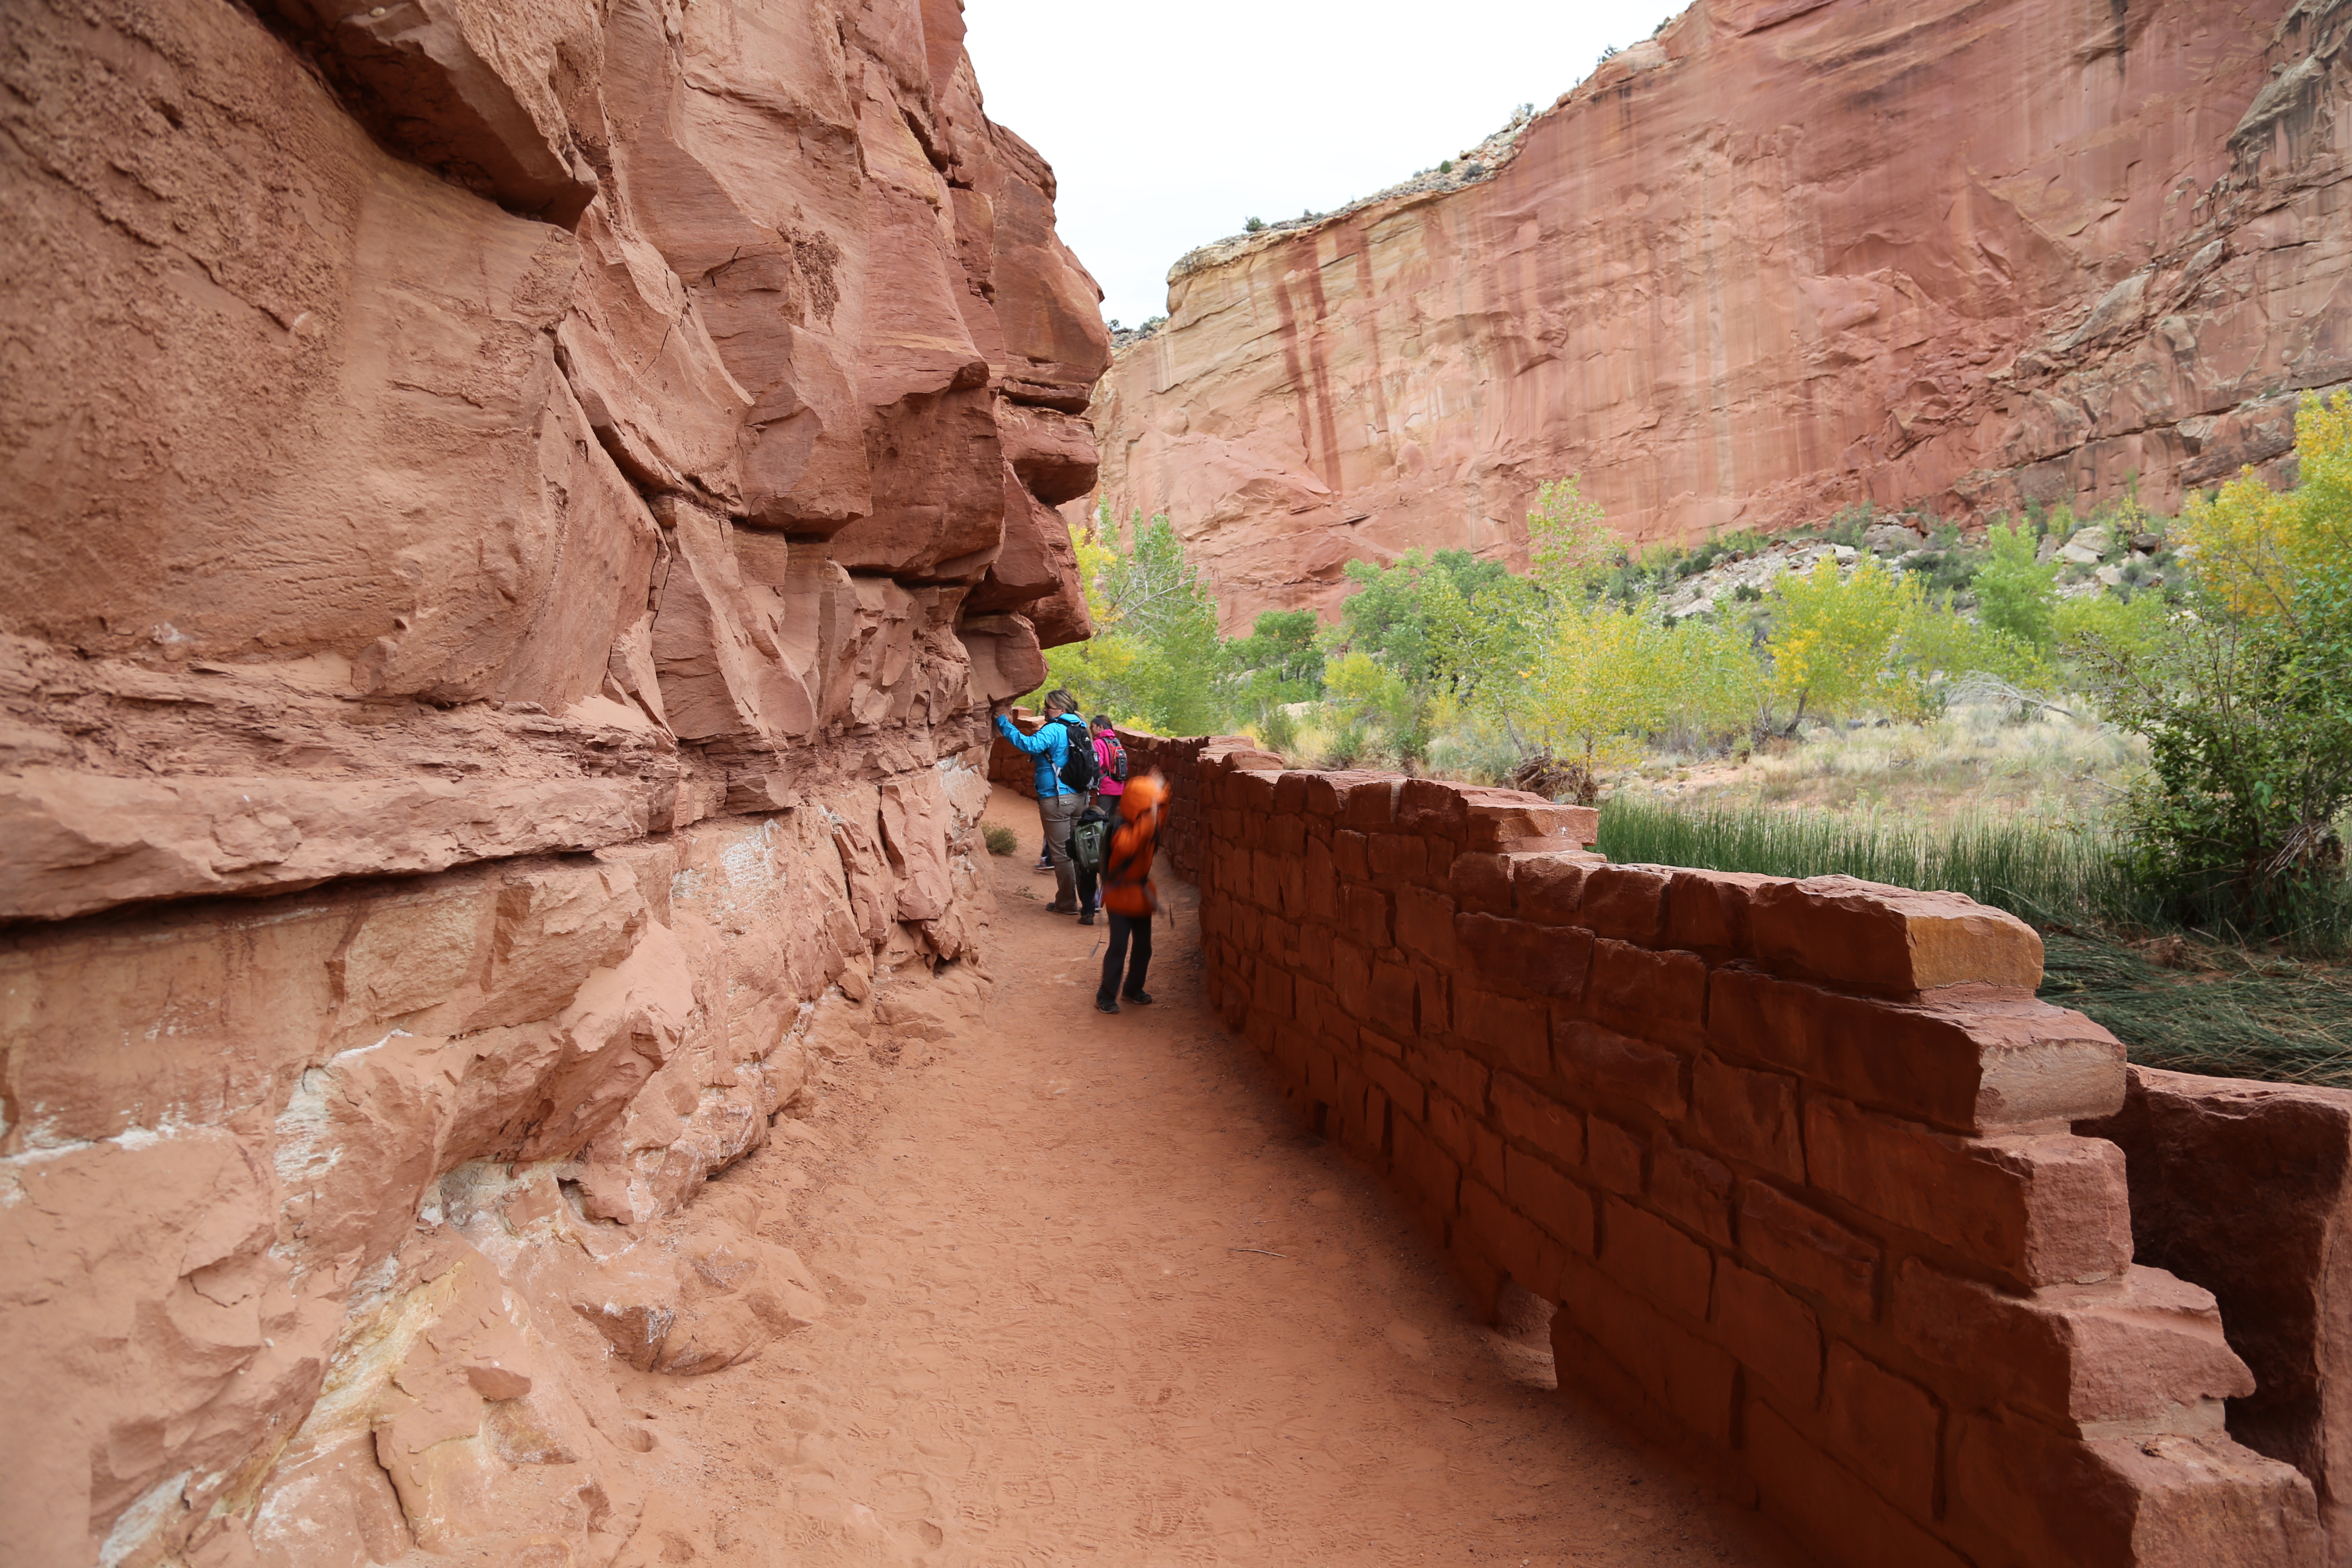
column 1088, row 839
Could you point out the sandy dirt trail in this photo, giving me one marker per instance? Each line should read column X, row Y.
column 1097, row 1300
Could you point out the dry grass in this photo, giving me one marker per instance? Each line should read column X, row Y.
column 1972, row 764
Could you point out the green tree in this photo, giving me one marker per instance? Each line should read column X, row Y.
column 1155, row 658
column 1278, row 664
column 2014, row 593
column 2246, row 696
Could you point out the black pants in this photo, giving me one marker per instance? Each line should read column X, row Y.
column 1087, row 880
column 1121, row 926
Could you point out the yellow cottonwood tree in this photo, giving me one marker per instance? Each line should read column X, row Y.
column 1834, row 640
column 2256, row 548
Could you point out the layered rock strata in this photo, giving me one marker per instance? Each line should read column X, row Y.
column 1788, row 256
column 514, row 518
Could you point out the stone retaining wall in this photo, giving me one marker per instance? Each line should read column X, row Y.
column 2246, row 1189
column 1795, row 1159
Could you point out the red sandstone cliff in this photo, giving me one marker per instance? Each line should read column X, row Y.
column 1788, row 256
column 537, row 499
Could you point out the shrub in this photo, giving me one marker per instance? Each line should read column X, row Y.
column 2243, row 697
column 1254, row 224
column 1000, row 839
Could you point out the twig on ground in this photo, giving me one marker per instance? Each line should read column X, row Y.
column 1261, row 1251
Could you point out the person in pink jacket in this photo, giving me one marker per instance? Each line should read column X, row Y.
column 1110, row 763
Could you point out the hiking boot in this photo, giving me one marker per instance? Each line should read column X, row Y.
column 1140, row 998
column 1103, row 1007
column 1086, row 919
column 1059, row 908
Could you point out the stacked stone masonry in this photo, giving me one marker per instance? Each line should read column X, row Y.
column 1796, row 1161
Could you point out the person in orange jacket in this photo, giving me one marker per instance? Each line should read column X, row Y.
column 1126, row 893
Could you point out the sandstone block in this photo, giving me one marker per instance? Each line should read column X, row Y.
column 1453, row 1127
column 1320, row 882
column 1797, row 1243
column 1434, row 997
column 1595, row 1059
column 2037, row 1209
column 1404, row 1092
column 1967, row 1061
column 1694, row 1190
column 1396, row 996
column 1370, row 805
column 1887, row 1427
column 1538, row 1189
column 1352, row 856
column 1326, row 795
column 1532, row 960
column 1628, row 902
column 1531, row 1116
column 1508, row 820
column 1825, row 1504
column 1689, row 1379
column 1426, row 1170
column 1749, row 1116
column 1619, row 1157
column 1891, row 940
column 1653, row 1257
column 2134, row 1356
column 1775, row 1335
column 1433, row 808
column 1397, row 856
column 1425, row 925
column 2243, row 1189
column 1549, row 890
column 1526, row 1253
column 1271, row 993
column 2042, row 1496
column 1364, row 915
column 1481, row 883
column 1706, row 911
column 1512, row 1034
column 1662, row 994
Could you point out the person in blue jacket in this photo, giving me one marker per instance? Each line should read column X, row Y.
column 1058, row 804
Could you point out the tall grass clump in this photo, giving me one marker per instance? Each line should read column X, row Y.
column 2034, row 872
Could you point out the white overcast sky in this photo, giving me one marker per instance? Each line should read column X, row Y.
column 1169, row 125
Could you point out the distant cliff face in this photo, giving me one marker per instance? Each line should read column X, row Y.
column 1788, row 256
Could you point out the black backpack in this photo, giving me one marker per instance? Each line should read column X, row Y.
column 1116, row 773
column 1078, row 766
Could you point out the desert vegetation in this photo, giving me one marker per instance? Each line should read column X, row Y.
column 2133, row 730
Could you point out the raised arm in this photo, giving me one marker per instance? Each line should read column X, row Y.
column 1042, row 741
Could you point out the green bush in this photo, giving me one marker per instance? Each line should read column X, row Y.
column 2245, row 699
column 1001, row 840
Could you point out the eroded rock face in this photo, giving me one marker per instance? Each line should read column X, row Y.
column 1784, row 257
column 535, row 502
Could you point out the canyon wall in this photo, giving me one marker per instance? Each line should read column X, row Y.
column 1786, row 256
column 514, row 517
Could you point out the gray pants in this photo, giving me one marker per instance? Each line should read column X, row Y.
column 1058, row 814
